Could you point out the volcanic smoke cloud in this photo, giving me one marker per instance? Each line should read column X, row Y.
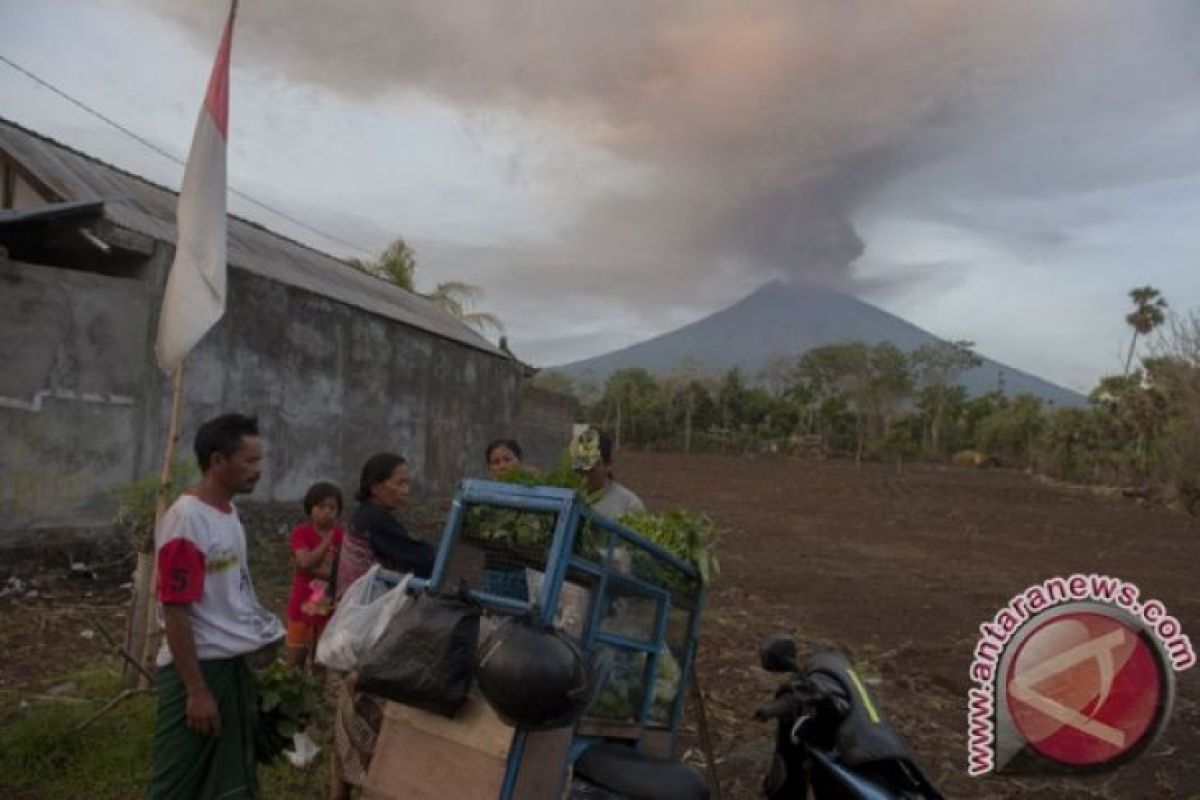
column 756, row 128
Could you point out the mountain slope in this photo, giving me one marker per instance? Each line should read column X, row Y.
column 788, row 319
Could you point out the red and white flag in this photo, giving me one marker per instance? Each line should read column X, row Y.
column 195, row 295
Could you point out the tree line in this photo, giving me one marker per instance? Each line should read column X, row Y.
column 877, row 402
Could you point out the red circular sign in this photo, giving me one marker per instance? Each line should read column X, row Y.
column 1084, row 689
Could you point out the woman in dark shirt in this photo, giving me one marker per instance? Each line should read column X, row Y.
column 375, row 535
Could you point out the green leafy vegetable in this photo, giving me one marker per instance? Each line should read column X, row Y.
column 287, row 702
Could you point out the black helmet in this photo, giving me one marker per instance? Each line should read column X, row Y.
column 534, row 676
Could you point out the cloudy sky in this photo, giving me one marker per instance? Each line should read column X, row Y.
column 607, row 171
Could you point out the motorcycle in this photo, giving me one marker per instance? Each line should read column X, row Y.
column 831, row 735
column 831, row 738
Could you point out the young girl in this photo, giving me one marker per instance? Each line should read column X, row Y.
column 315, row 545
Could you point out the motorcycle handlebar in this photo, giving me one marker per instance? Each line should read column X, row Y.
column 794, row 697
column 781, row 706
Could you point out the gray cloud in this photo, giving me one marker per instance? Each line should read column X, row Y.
column 761, row 126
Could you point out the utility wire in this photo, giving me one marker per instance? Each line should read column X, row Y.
column 171, row 156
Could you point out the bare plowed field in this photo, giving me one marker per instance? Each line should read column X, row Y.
column 900, row 570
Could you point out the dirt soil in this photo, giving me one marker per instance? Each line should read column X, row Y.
column 899, row 570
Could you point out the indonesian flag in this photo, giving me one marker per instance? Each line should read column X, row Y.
column 195, row 294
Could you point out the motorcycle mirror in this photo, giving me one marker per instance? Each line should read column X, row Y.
column 779, row 655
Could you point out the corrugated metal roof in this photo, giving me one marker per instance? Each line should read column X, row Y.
column 21, row 216
column 139, row 205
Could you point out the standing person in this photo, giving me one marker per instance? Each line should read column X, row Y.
column 592, row 455
column 315, row 546
column 503, row 456
column 500, row 577
column 207, row 707
column 376, row 535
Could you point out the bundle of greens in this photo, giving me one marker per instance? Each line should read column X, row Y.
column 688, row 536
column 685, row 534
column 287, row 702
column 509, row 528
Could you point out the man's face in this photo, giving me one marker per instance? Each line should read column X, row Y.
column 596, row 478
column 240, row 472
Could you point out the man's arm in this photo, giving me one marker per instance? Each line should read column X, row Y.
column 181, row 583
column 202, row 714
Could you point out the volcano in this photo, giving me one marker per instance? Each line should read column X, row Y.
column 788, row 319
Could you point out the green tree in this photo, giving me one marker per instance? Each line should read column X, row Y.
column 687, row 388
column 955, row 430
column 1133, row 411
column 873, row 378
column 1072, row 444
column 397, row 264
column 1148, row 313
column 976, row 410
column 777, row 375
column 937, row 368
column 629, row 404
column 457, row 298
column 900, row 442
column 1011, row 432
column 890, row 382
column 732, row 398
column 1174, row 374
column 833, row 373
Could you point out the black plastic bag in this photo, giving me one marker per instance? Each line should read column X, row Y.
column 582, row 790
column 426, row 656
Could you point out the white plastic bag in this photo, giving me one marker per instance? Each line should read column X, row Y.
column 359, row 620
column 572, row 602
column 304, row 751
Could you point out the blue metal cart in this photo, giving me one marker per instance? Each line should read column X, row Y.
column 519, row 547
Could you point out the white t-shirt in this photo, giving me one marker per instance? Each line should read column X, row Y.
column 201, row 555
column 617, row 501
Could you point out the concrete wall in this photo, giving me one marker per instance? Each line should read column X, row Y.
column 71, row 349
column 543, row 424
column 83, row 408
column 332, row 385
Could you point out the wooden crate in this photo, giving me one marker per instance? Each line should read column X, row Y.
column 422, row 756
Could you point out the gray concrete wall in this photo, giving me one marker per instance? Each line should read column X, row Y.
column 543, row 424
column 332, row 385
column 71, row 352
column 83, row 408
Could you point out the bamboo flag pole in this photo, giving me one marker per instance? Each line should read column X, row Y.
column 149, row 622
column 194, row 295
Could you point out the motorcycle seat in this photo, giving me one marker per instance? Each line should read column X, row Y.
column 624, row 771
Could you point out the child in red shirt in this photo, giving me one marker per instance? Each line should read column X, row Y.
column 315, row 546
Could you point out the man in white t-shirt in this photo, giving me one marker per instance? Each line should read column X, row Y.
column 212, row 620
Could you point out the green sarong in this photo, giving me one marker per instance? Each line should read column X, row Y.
column 188, row 766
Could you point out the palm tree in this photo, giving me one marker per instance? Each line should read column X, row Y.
column 398, row 265
column 1147, row 315
column 457, row 297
